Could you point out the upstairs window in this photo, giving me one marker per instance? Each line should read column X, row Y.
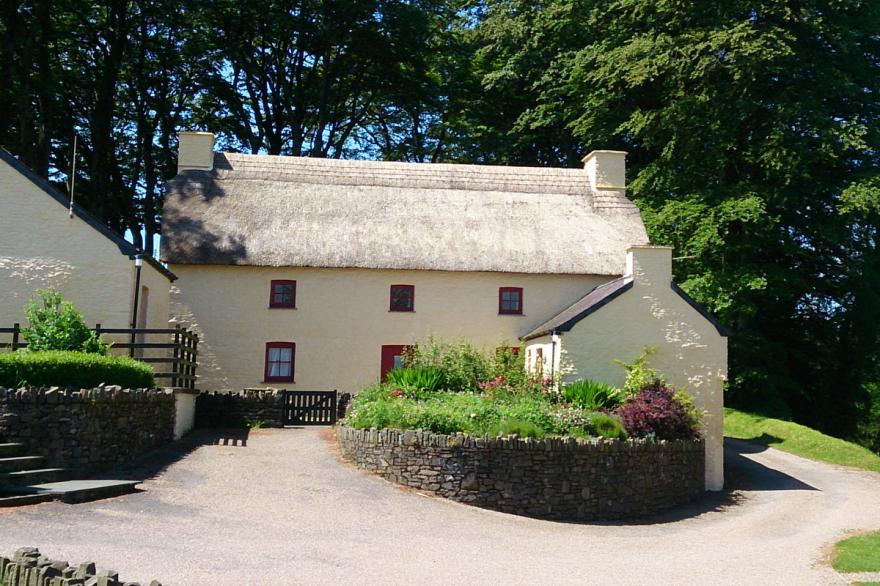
column 280, row 360
column 283, row 294
column 510, row 300
column 403, row 298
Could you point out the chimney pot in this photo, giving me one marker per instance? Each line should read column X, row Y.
column 606, row 169
column 195, row 151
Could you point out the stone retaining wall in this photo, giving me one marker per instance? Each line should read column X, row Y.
column 224, row 410
column 87, row 430
column 564, row 479
column 28, row 567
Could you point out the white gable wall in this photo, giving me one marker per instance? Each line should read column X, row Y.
column 40, row 246
column 690, row 352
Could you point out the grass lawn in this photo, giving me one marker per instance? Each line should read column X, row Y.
column 858, row 554
column 800, row 440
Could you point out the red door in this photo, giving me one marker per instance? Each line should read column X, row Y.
column 392, row 357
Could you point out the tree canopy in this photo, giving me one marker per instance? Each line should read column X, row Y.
column 751, row 127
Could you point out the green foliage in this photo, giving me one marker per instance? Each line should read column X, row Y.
column 55, row 324
column 592, row 394
column 517, row 427
column 860, row 553
column 463, row 366
column 72, row 369
column 638, row 374
column 607, row 426
column 417, row 378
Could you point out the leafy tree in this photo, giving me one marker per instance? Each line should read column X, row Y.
column 55, row 324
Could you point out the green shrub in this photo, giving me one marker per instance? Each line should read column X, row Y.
column 463, row 366
column 592, row 394
column 517, row 427
column 72, row 369
column 417, row 378
column 638, row 374
column 57, row 325
column 607, row 426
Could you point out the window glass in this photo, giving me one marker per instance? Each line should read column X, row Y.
column 402, row 297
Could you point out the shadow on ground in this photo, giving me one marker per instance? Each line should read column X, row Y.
column 158, row 461
column 743, row 473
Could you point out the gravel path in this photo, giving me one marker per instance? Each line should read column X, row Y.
column 281, row 509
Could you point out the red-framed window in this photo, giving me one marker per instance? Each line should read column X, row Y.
column 393, row 356
column 282, row 294
column 510, row 300
column 403, row 298
column 280, row 362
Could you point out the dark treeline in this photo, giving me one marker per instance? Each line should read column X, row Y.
column 752, row 129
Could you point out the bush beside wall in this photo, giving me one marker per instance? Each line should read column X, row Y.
column 72, row 369
column 88, row 430
column 563, row 479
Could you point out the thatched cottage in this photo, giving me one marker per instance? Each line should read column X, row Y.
column 46, row 242
column 316, row 274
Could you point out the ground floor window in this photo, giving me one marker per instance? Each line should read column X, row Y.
column 393, row 356
column 280, row 360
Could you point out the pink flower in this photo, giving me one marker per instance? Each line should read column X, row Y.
column 397, row 392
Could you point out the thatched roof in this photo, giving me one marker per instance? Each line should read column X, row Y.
column 295, row 211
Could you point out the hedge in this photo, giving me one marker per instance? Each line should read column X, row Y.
column 72, row 369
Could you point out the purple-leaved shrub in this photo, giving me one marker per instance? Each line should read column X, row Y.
column 656, row 411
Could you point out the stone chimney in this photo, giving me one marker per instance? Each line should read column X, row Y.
column 606, row 170
column 195, row 151
column 649, row 265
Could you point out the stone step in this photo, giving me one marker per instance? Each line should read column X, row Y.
column 35, row 476
column 19, row 500
column 79, row 491
column 8, row 450
column 16, row 463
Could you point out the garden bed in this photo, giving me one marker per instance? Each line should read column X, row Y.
column 554, row 478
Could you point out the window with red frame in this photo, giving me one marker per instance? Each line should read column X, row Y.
column 283, row 294
column 280, row 361
column 510, row 300
column 403, row 298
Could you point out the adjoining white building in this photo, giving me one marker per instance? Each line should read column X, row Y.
column 43, row 245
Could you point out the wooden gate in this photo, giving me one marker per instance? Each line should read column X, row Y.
column 309, row 407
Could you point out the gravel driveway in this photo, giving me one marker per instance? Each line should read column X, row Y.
column 279, row 508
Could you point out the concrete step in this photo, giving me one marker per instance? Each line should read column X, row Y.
column 35, row 476
column 79, row 491
column 15, row 463
column 19, row 500
column 8, row 450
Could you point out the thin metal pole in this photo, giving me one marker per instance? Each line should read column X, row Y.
column 72, row 176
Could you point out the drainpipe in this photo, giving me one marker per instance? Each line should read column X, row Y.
column 138, row 263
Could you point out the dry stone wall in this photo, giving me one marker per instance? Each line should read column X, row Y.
column 563, row 479
column 87, row 430
column 224, row 410
column 27, row 567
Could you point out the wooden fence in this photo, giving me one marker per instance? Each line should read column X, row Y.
column 179, row 360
